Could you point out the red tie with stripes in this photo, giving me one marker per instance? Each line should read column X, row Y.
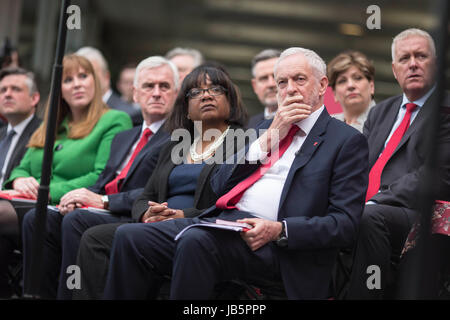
column 377, row 169
column 114, row 186
column 232, row 197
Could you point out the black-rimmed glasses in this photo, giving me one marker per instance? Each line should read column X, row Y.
column 197, row 93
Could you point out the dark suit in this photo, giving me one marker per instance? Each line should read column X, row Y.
column 64, row 234
column 96, row 242
column 21, row 146
column 115, row 102
column 255, row 120
column 385, row 225
column 321, row 201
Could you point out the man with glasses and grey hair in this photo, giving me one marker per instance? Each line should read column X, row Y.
column 302, row 203
column 132, row 159
column 264, row 85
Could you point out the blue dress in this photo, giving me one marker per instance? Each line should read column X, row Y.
column 182, row 185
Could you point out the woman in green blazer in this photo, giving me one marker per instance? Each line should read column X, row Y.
column 85, row 129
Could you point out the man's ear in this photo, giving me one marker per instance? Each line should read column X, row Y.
column 323, row 85
column 135, row 95
column 393, row 70
column 254, row 84
column 35, row 97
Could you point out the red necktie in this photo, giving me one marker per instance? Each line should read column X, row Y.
column 232, row 197
column 377, row 169
column 114, row 186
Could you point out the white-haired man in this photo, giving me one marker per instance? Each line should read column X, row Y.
column 133, row 157
column 397, row 152
column 302, row 205
column 113, row 100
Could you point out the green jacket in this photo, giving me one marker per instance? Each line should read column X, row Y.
column 77, row 163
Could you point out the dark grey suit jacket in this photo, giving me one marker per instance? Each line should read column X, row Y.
column 140, row 171
column 400, row 180
column 21, row 146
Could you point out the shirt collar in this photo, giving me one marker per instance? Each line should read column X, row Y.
column 107, row 95
column 307, row 124
column 21, row 126
column 268, row 114
column 154, row 126
column 420, row 102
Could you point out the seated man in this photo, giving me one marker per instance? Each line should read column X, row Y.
column 18, row 101
column 397, row 154
column 19, row 98
column 303, row 207
column 131, row 162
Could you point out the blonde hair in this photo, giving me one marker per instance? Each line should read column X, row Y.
column 95, row 109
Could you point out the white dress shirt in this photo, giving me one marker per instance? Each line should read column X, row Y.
column 262, row 199
column 401, row 113
column 19, row 129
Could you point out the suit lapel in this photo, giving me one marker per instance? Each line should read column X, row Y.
column 22, row 142
column 384, row 129
column 3, row 132
column 307, row 150
column 150, row 144
column 421, row 117
column 129, row 140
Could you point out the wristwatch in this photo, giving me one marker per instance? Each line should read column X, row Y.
column 282, row 240
column 105, row 201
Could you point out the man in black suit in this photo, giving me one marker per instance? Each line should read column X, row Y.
column 19, row 98
column 18, row 101
column 109, row 96
column 121, row 182
column 264, row 85
column 394, row 130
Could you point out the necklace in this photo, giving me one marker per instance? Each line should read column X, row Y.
column 210, row 151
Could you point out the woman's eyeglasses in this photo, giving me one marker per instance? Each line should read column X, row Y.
column 197, row 93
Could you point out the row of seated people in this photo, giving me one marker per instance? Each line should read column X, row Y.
column 303, row 205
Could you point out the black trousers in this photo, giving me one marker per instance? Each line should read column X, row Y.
column 93, row 260
column 382, row 233
column 60, row 247
column 143, row 255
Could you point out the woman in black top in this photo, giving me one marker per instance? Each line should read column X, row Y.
column 208, row 104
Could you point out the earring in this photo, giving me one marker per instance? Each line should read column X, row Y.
column 188, row 117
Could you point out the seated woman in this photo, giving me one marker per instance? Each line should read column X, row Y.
column 85, row 129
column 351, row 77
column 208, row 103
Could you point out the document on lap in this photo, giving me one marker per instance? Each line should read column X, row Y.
column 93, row 209
column 13, row 195
column 219, row 224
